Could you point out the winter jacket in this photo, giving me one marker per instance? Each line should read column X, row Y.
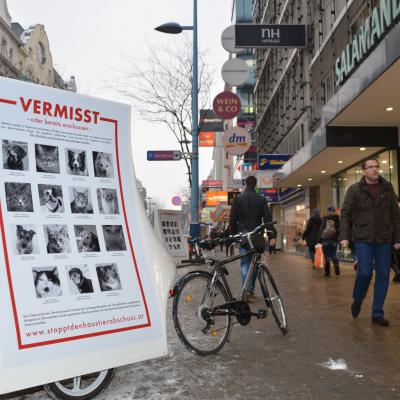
column 363, row 219
column 311, row 233
column 248, row 211
column 335, row 218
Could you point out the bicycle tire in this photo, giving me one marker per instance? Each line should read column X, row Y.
column 201, row 334
column 272, row 298
column 71, row 389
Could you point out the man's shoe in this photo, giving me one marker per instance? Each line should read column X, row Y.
column 380, row 321
column 356, row 308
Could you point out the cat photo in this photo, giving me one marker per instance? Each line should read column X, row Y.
column 108, row 277
column 81, row 200
column 47, row 282
column 19, row 196
column 57, row 239
column 51, row 199
column 108, row 201
column 114, row 237
column 76, row 162
column 15, row 155
column 103, row 166
column 25, row 239
column 86, row 238
column 47, row 159
column 79, row 279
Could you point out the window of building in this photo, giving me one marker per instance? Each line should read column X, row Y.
column 41, row 53
column 4, row 47
column 11, row 56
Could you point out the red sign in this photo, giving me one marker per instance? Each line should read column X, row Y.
column 176, row 201
column 226, row 105
column 211, row 183
column 206, row 139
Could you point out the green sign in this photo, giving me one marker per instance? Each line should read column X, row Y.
column 374, row 27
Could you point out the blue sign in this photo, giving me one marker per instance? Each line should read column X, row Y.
column 272, row 161
column 270, row 194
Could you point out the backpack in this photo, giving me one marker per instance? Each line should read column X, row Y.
column 329, row 232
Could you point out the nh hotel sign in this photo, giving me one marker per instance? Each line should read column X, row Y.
column 374, row 27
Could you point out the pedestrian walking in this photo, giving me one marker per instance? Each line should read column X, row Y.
column 272, row 234
column 371, row 217
column 311, row 233
column 329, row 237
column 248, row 211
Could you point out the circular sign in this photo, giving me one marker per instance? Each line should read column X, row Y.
column 236, row 141
column 228, row 40
column 235, row 72
column 226, row 105
column 176, row 201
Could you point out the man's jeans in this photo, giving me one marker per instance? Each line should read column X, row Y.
column 366, row 254
column 244, row 267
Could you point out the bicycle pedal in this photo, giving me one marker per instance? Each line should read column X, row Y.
column 261, row 314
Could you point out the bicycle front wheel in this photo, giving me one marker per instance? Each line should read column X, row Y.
column 199, row 329
column 272, row 298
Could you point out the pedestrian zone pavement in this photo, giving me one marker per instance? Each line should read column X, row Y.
column 325, row 355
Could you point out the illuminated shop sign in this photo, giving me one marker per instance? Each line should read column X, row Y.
column 374, row 27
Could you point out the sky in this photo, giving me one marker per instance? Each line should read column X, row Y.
column 91, row 40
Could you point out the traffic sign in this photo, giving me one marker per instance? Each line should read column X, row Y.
column 176, row 201
column 227, row 105
column 164, row 155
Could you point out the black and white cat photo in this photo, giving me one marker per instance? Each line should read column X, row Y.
column 19, row 196
column 103, row 165
column 114, row 237
column 47, row 159
column 51, row 199
column 15, row 155
column 81, row 200
column 57, row 239
column 76, row 162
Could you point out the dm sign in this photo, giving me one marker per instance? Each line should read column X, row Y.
column 252, row 35
column 272, row 161
column 236, row 141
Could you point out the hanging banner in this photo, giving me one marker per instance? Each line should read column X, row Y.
column 206, row 139
column 272, row 161
column 82, row 288
column 227, row 105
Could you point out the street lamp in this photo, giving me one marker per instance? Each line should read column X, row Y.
column 174, row 28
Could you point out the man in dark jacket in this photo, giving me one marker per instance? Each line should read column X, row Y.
column 329, row 237
column 248, row 211
column 370, row 217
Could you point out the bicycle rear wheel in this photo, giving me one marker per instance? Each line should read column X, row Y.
column 81, row 387
column 199, row 330
column 272, row 298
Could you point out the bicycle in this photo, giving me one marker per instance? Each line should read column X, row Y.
column 203, row 304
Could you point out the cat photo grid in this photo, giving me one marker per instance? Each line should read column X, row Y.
column 172, row 235
column 38, row 199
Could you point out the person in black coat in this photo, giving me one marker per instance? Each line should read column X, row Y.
column 312, row 231
column 329, row 237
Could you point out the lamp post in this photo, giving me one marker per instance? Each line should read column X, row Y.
column 174, row 28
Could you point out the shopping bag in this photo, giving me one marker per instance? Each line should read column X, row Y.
column 319, row 258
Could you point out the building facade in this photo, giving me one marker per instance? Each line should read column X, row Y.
column 330, row 105
column 25, row 53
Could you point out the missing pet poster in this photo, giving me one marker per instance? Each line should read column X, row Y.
column 83, row 279
column 171, row 233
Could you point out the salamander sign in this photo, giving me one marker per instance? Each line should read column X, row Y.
column 369, row 34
